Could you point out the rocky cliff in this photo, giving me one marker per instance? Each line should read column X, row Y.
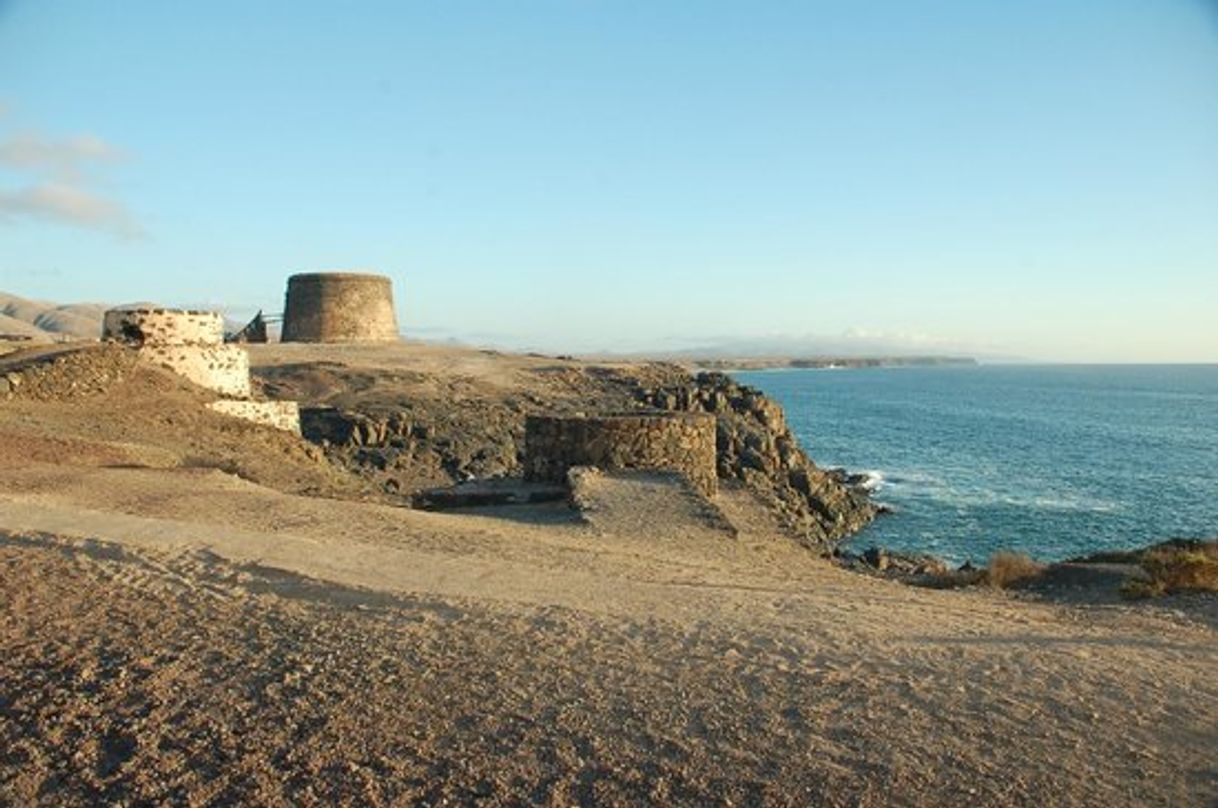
column 408, row 432
column 756, row 447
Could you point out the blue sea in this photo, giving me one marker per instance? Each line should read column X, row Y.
column 1055, row 461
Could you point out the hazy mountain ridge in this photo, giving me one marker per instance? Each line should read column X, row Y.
column 38, row 320
column 42, row 321
column 840, row 348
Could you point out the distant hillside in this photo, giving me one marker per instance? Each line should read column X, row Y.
column 23, row 320
column 42, row 321
column 767, row 362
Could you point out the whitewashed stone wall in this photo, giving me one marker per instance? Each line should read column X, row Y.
column 163, row 327
column 283, row 415
column 223, row 368
column 191, row 344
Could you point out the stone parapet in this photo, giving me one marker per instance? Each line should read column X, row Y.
column 680, row 442
column 163, row 327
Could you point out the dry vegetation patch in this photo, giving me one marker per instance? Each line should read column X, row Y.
column 1007, row 569
column 1171, row 569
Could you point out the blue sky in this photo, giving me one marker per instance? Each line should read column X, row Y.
column 1036, row 179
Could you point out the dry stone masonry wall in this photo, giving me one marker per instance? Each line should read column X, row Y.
column 72, row 374
column 681, row 442
column 163, row 327
column 283, row 415
column 191, row 343
column 339, row 307
column 756, row 447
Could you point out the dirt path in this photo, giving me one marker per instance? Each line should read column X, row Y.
column 189, row 637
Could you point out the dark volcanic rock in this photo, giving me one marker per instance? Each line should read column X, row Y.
column 409, row 432
column 408, row 443
column 890, row 564
column 756, row 447
column 484, row 493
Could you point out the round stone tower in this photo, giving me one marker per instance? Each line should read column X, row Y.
column 339, row 307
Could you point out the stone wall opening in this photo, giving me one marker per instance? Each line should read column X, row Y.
column 680, row 442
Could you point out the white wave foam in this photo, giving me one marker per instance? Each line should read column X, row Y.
column 988, row 498
column 918, row 485
column 873, row 480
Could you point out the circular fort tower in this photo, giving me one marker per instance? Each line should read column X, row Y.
column 339, row 307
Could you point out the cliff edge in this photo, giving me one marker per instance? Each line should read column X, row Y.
column 411, row 418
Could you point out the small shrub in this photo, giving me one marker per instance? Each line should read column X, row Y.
column 950, row 579
column 1139, row 589
column 1007, row 569
column 1176, row 569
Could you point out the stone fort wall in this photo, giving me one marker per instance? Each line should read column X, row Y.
column 283, row 415
column 190, row 343
column 680, row 442
column 163, row 326
column 339, row 307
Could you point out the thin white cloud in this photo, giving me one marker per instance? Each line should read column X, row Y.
column 67, row 204
column 907, row 337
column 63, row 158
column 57, row 189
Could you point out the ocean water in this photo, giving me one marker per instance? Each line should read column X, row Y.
column 1054, row 461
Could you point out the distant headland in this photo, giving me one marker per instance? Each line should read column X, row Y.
column 826, row 362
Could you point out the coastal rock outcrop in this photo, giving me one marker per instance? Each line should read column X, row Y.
column 417, row 446
column 755, row 446
column 409, row 434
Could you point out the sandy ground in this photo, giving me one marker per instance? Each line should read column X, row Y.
column 191, row 637
column 183, row 620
